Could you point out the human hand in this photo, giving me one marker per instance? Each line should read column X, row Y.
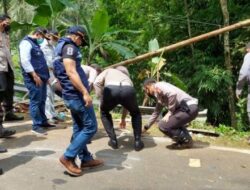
column 166, row 117
column 237, row 96
column 88, row 100
column 145, row 129
column 37, row 80
column 122, row 124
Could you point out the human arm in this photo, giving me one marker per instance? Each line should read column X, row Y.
column 123, row 117
column 69, row 56
column 25, row 60
column 99, row 83
column 70, row 67
column 153, row 117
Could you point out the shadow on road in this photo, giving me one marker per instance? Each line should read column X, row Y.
column 22, row 158
column 196, row 145
column 19, row 142
column 119, row 159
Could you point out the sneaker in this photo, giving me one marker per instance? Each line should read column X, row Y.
column 7, row 133
column 3, row 150
column 47, row 125
column 58, row 119
column 1, row 171
column 91, row 164
column 70, row 166
column 39, row 131
column 10, row 116
column 53, row 121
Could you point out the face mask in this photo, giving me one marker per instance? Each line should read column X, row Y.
column 7, row 28
column 53, row 43
column 39, row 40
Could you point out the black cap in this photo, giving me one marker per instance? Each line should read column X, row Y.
column 41, row 31
column 80, row 31
column 54, row 33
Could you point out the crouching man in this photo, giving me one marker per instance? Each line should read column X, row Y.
column 182, row 109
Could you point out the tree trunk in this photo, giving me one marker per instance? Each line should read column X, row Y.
column 228, row 65
column 5, row 7
column 183, row 43
column 189, row 26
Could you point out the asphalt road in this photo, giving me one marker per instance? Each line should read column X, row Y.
column 31, row 163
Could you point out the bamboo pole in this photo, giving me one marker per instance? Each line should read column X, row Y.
column 183, row 43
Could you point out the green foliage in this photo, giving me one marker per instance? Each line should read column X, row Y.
column 100, row 23
column 121, row 29
column 242, row 117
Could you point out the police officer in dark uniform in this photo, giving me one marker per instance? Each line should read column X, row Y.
column 113, row 86
column 36, row 74
column 75, row 92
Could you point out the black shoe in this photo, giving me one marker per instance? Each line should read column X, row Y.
column 181, row 145
column 7, row 133
column 47, row 125
column 1, row 171
column 3, row 150
column 139, row 145
column 10, row 116
column 113, row 144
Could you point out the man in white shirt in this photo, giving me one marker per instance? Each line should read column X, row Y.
column 48, row 48
column 244, row 77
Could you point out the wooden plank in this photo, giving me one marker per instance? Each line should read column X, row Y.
column 204, row 132
column 182, row 43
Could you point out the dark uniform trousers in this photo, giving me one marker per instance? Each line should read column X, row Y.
column 126, row 96
column 6, row 92
column 175, row 127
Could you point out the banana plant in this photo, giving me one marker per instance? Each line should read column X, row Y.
column 103, row 38
column 46, row 11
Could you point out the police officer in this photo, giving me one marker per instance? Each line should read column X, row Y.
column 6, row 75
column 7, row 70
column 113, row 87
column 182, row 109
column 75, row 92
column 36, row 74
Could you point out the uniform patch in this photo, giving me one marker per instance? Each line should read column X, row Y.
column 70, row 51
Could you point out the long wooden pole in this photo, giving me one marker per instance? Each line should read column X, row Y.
column 183, row 43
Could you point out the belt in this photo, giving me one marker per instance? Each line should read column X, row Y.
column 124, row 83
column 192, row 102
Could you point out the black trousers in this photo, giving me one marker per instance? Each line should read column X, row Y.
column 126, row 96
column 175, row 127
column 6, row 92
column 9, row 92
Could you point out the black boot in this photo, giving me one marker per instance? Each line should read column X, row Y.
column 1, row 171
column 183, row 140
column 10, row 116
column 113, row 143
column 139, row 145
